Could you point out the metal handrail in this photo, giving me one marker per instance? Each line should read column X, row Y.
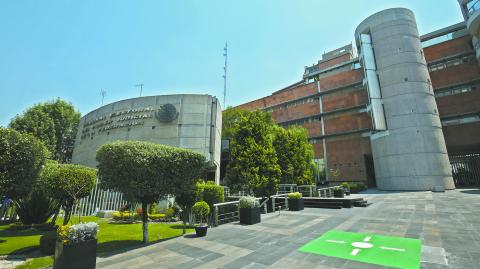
column 216, row 210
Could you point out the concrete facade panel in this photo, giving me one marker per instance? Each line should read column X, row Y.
column 136, row 119
column 406, row 158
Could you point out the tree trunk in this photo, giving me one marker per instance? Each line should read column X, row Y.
column 54, row 219
column 145, row 221
column 68, row 212
column 184, row 214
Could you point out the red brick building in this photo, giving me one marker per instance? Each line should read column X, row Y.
column 332, row 102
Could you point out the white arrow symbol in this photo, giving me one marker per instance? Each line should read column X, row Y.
column 335, row 241
column 395, row 249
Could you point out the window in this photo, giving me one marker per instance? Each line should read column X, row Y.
column 445, row 37
column 449, row 63
column 461, row 120
column 455, row 90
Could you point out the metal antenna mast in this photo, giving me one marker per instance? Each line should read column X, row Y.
column 141, row 88
column 103, row 93
column 225, row 75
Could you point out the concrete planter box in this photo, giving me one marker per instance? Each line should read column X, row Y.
column 249, row 215
column 82, row 255
column 295, row 204
column 106, row 214
column 339, row 193
column 201, row 231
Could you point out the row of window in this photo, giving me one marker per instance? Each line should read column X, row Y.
column 461, row 120
column 300, row 122
column 455, row 90
column 445, row 37
column 450, row 63
column 312, row 69
column 292, row 104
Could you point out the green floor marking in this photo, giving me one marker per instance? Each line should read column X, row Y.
column 397, row 252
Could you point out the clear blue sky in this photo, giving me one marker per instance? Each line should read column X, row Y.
column 72, row 49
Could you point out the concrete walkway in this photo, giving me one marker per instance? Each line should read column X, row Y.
column 447, row 223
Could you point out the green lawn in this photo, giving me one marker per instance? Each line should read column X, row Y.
column 111, row 237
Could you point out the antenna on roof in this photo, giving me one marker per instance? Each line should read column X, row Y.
column 103, row 93
column 141, row 88
column 225, row 54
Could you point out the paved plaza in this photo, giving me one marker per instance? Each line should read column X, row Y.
column 448, row 224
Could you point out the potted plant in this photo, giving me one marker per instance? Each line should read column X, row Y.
column 346, row 187
column 201, row 210
column 295, row 201
column 249, row 210
column 76, row 247
column 338, row 192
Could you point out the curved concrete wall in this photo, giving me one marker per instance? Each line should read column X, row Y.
column 411, row 154
column 188, row 121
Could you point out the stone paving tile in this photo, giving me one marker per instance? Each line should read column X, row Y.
column 447, row 223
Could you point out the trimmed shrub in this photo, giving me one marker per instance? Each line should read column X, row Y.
column 358, row 187
column 210, row 192
column 294, row 195
column 201, row 210
column 345, row 186
column 124, row 216
column 248, row 202
column 169, row 213
column 157, row 217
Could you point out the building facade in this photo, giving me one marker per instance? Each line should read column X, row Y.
column 394, row 109
column 186, row 121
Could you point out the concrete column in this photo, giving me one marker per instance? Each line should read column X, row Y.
column 411, row 154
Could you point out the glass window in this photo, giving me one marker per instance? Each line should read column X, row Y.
column 445, row 37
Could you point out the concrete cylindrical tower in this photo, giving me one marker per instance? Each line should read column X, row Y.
column 411, row 153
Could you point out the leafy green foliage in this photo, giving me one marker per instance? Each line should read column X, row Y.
column 345, row 185
column 201, row 210
column 21, row 159
column 36, row 207
column 68, row 183
column 54, row 123
column 210, row 192
column 294, row 195
column 254, row 161
column 358, row 187
column 145, row 171
column 248, row 202
column 230, row 117
column 295, row 155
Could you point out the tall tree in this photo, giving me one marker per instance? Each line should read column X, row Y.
column 21, row 159
column 144, row 171
column 254, row 161
column 295, row 155
column 54, row 123
column 230, row 117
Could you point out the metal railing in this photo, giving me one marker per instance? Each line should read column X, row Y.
column 225, row 212
column 99, row 200
column 326, row 192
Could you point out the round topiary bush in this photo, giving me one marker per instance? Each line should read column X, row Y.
column 201, row 210
column 294, row 195
column 248, row 202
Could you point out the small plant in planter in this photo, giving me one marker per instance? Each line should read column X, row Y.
column 295, row 201
column 249, row 210
column 76, row 247
column 346, row 187
column 338, row 192
column 201, row 210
